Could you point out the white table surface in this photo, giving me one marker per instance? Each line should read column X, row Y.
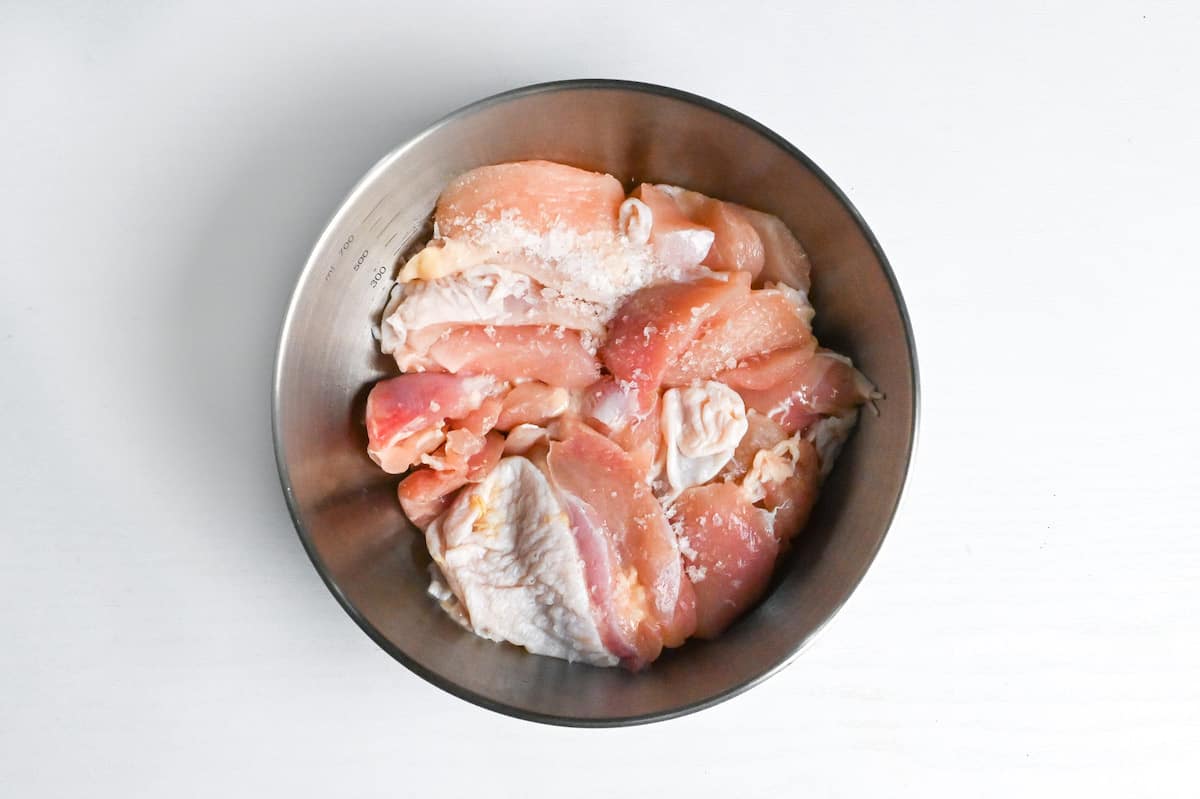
column 1033, row 622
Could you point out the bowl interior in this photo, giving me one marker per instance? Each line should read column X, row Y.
column 346, row 509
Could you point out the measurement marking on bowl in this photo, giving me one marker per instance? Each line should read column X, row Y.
column 374, row 208
column 366, row 247
column 389, row 223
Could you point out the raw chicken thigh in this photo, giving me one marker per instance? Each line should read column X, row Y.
column 507, row 552
column 612, row 411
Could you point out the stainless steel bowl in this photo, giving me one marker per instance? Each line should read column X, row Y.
column 346, row 511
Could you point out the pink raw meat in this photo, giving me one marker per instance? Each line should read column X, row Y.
column 655, row 325
column 784, row 260
column 822, row 384
column 513, row 353
column 542, row 194
column 729, row 549
column 406, row 415
column 736, row 244
column 425, row 494
column 762, row 321
column 647, row 583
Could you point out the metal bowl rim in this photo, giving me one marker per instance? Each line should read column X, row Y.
column 310, row 266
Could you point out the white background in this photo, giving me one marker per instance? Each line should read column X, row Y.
column 1032, row 623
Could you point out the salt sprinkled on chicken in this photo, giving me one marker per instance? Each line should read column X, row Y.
column 613, row 412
